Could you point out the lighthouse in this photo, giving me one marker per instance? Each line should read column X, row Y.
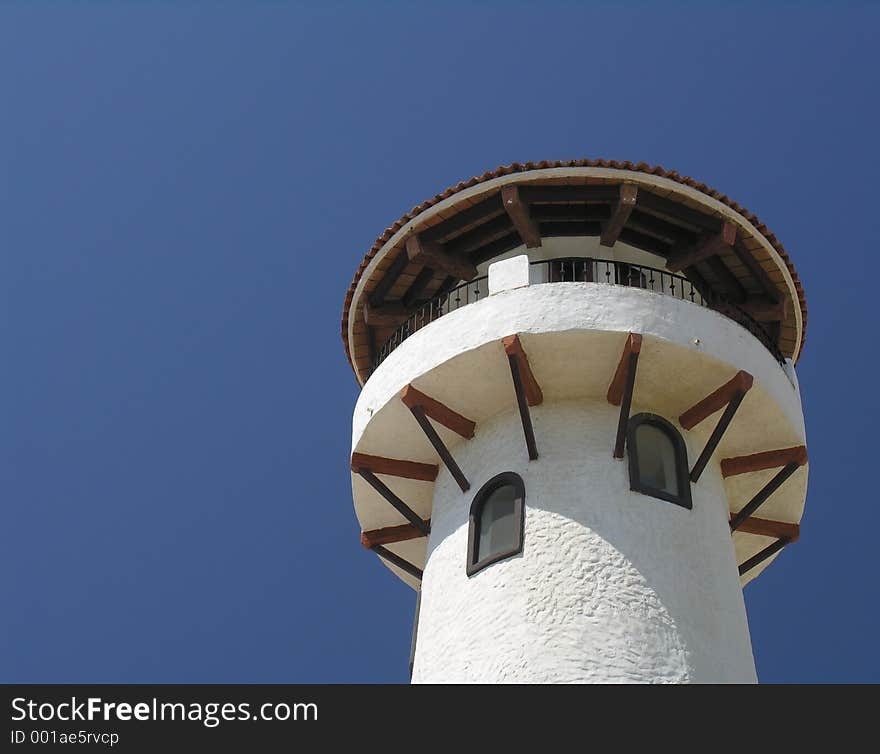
column 579, row 432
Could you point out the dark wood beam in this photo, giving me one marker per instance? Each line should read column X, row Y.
column 551, row 228
column 377, row 295
column 728, row 283
column 417, row 287
column 767, row 552
column 758, row 273
column 464, row 245
column 518, row 212
column 425, row 472
column 513, row 347
column 763, row 309
column 761, row 497
column 769, row 459
column 716, row 435
column 654, row 226
column 740, row 382
column 620, row 214
column 466, row 220
column 419, row 413
column 431, row 254
column 620, row 391
column 618, row 383
column 494, row 249
column 390, row 534
column 569, row 212
column 394, row 559
column 599, row 194
column 401, row 507
column 386, row 315
column 645, row 242
column 767, row 528
column 706, row 247
column 677, row 212
column 440, row 413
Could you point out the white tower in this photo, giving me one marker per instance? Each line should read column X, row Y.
column 580, row 432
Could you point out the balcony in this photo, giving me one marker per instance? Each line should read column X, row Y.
column 582, row 270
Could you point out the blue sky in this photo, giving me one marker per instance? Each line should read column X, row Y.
column 186, row 190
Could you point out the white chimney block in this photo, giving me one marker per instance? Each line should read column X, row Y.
column 508, row 274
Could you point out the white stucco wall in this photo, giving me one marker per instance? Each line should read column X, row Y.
column 612, row 585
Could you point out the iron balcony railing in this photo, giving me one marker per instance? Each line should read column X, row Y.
column 584, row 270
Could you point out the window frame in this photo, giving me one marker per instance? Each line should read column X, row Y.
column 483, row 494
column 682, row 469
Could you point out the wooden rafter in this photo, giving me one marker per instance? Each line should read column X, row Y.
column 707, row 247
column 466, row 220
column 731, row 394
column 395, row 559
column 549, row 194
column 401, row 507
column 513, row 347
column 767, row 552
column 437, row 411
column 728, row 283
column 518, row 212
column 625, row 203
column 385, row 315
column 426, row 472
column 767, row 528
column 525, row 386
column 431, row 254
column 417, row 288
column 620, row 390
column 768, row 459
column 421, row 407
column 758, row 273
column 764, row 309
column 761, row 497
column 394, row 271
column 740, row 382
column 390, row 534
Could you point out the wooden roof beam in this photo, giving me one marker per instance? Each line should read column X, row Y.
column 728, row 283
column 431, row 254
column 390, row 534
column 764, row 309
column 394, row 271
column 513, row 347
column 620, row 214
column 620, row 390
column 518, row 212
column 401, row 563
column 438, row 412
column 525, row 386
column 767, row 552
column 707, row 247
column 758, row 273
column 401, row 507
column 425, row 472
column 385, row 315
column 769, row 459
column 761, row 497
column 740, row 382
column 767, row 528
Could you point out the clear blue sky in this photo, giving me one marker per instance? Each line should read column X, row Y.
column 186, row 190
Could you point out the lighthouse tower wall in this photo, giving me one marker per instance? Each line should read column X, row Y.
column 611, row 585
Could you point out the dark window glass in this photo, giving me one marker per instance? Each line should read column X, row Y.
column 658, row 464
column 496, row 521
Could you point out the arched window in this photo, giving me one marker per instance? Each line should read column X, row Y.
column 496, row 521
column 658, row 464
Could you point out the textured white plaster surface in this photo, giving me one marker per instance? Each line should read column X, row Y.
column 611, row 586
column 508, row 274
